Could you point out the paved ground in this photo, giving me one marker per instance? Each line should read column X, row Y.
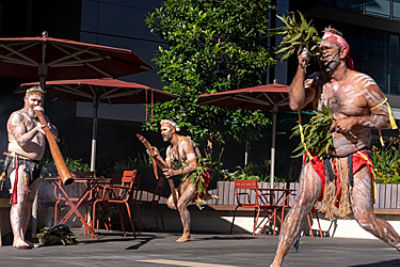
column 205, row 250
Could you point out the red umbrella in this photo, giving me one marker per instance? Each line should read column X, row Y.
column 96, row 91
column 273, row 97
column 258, row 97
column 53, row 58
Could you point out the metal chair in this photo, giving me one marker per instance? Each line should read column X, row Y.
column 75, row 191
column 249, row 196
column 153, row 197
column 117, row 194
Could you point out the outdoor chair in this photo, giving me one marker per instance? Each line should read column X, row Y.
column 249, row 196
column 75, row 191
column 116, row 195
column 153, row 197
column 320, row 233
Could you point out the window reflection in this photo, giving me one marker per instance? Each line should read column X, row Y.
column 369, row 51
column 396, row 9
column 378, row 7
column 352, row 5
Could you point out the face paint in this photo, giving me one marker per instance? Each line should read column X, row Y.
column 166, row 132
column 33, row 101
column 330, row 56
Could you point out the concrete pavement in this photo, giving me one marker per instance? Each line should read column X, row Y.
column 205, row 250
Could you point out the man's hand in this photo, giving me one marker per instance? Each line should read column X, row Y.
column 343, row 125
column 153, row 152
column 39, row 128
column 168, row 172
column 38, row 108
column 303, row 56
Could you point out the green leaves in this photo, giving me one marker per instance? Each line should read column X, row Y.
column 211, row 46
column 386, row 161
column 297, row 33
column 317, row 135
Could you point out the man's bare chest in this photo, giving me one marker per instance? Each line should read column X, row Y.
column 345, row 99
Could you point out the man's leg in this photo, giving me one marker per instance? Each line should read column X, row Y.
column 188, row 193
column 17, row 210
column 27, row 209
column 310, row 191
column 363, row 213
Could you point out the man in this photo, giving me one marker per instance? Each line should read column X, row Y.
column 358, row 105
column 184, row 150
column 26, row 145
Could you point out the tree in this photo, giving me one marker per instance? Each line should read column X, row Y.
column 212, row 46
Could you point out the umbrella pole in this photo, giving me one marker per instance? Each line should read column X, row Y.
column 94, row 135
column 246, row 153
column 272, row 174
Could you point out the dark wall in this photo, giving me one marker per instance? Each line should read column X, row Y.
column 29, row 18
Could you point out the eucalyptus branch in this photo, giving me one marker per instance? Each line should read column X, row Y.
column 297, row 34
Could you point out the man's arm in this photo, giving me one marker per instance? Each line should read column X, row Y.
column 299, row 97
column 17, row 129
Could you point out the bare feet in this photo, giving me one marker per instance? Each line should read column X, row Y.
column 183, row 238
column 19, row 243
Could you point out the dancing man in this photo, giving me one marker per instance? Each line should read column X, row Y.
column 358, row 105
column 184, row 150
column 26, row 146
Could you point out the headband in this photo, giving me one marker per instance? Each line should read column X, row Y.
column 340, row 42
column 172, row 123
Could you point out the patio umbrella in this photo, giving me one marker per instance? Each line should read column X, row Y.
column 106, row 90
column 49, row 58
column 272, row 97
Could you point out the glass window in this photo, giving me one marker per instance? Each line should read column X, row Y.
column 378, row 8
column 352, row 5
column 394, row 64
column 396, row 9
column 369, row 50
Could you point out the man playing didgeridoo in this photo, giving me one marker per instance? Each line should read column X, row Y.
column 26, row 145
column 358, row 105
column 184, row 150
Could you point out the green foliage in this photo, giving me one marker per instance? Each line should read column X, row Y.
column 76, row 165
column 56, row 235
column 49, row 169
column 142, row 163
column 386, row 161
column 261, row 172
column 298, row 33
column 196, row 176
column 317, row 134
column 211, row 46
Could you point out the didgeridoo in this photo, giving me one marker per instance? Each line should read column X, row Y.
column 62, row 169
column 170, row 181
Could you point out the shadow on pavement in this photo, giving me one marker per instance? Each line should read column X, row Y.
column 109, row 237
column 390, row 263
column 142, row 242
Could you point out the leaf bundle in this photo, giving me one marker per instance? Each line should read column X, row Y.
column 317, row 134
column 298, row 33
column 56, row 235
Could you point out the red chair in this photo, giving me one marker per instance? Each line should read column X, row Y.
column 249, row 196
column 118, row 194
column 75, row 191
